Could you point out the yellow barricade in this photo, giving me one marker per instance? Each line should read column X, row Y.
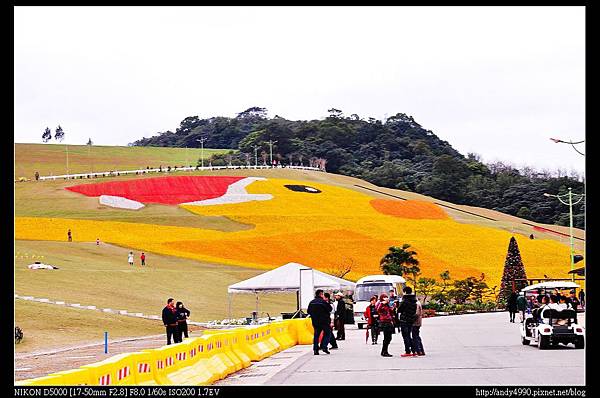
column 220, row 351
column 237, row 340
column 203, row 367
column 188, row 359
column 255, row 342
column 117, row 370
column 280, row 333
column 216, row 361
column 228, row 336
column 269, row 336
column 75, row 377
column 164, row 362
column 143, row 368
column 304, row 330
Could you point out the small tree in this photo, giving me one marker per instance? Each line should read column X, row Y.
column 441, row 296
column 479, row 289
column 59, row 134
column 463, row 289
column 342, row 268
column 47, row 136
column 426, row 286
column 400, row 261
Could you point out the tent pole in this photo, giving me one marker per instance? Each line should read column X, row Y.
column 297, row 300
column 229, row 305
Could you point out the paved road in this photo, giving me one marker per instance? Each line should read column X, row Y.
column 472, row 349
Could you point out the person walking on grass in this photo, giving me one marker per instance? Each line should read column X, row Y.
column 320, row 316
column 130, row 258
column 407, row 315
column 182, row 315
column 69, row 236
column 386, row 322
column 143, row 259
column 169, row 318
column 333, row 304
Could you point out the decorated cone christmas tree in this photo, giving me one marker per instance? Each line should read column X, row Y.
column 513, row 269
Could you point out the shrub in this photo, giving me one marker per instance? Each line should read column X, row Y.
column 429, row 312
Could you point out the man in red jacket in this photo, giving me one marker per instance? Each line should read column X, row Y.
column 143, row 258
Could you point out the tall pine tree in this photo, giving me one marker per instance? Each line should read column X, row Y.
column 513, row 269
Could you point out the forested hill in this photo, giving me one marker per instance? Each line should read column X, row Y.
column 398, row 153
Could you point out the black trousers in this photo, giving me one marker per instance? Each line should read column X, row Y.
column 183, row 330
column 387, row 335
column 374, row 333
column 326, row 330
column 332, row 338
column 341, row 332
column 172, row 331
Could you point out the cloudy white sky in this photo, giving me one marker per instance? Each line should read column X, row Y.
column 498, row 81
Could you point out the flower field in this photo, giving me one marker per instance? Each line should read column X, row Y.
column 321, row 230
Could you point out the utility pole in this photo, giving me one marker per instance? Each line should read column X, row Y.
column 67, row 150
column 271, row 150
column 570, row 204
column 201, row 141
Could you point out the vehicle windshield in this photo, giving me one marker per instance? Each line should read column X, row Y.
column 366, row 291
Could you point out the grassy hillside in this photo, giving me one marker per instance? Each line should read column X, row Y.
column 51, row 159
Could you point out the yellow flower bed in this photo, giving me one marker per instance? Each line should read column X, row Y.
column 319, row 230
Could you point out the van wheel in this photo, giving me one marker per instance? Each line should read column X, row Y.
column 544, row 342
column 580, row 343
column 524, row 341
column 360, row 325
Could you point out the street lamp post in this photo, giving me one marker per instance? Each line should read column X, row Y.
column 255, row 155
column 570, row 204
column 271, row 150
column 557, row 140
column 67, row 150
column 201, row 141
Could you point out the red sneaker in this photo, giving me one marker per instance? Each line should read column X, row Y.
column 414, row 354
column 421, row 354
column 407, row 355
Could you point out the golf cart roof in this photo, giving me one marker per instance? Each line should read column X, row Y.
column 551, row 285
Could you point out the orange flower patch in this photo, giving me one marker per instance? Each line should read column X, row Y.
column 414, row 209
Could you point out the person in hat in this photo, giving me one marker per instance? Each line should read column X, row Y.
column 340, row 315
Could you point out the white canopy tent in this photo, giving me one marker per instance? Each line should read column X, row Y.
column 287, row 278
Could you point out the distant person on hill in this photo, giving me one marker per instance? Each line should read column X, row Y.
column 531, row 236
column 511, row 306
column 169, row 318
column 143, row 259
column 182, row 316
column 37, row 176
column 97, row 241
column 69, row 236
column 130, row 258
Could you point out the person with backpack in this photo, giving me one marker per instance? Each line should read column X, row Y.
column 407, row 315
column 386, row 322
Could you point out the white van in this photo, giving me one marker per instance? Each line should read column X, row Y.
column 370, row 286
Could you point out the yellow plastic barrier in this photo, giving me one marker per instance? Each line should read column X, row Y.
column 143, row 368
column 255, row 341
column 237, row 340
column 215, row 361
column 202, row 367
column 280, row 333
column 164, row 362
column 304, row 330
column 117, row 370
column 220, row 351
column 75, row 377
column 269, row 334
column 188, row 359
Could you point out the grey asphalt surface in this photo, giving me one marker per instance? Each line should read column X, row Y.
column 470, row 349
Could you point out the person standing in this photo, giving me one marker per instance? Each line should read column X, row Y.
column 386, row 322
column 169, row 318
column 511, row 305
column 407, row 314
column 522, row 306
column 182, row 315
column 143, row 259
column 582, row 298
column 340, row 316
column 319, row 311
column 417, row 343
column 97, row 241
column 130, row 258
column 332, row 341
column 69, row 236
column 393, row 298
column 372, row 319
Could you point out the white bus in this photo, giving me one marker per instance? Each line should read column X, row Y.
column 370, row 286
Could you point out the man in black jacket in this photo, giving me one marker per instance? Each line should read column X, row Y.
column 169, row 318
column 340, row 316
column 407, row 314
column 319, row 311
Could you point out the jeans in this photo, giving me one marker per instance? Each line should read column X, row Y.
column 326, row 330
column 416, row 340
column 405, row 328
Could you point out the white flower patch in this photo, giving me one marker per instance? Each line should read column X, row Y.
column 236, row 193
column 120, row 202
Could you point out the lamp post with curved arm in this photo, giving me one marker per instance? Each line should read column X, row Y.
column 569, row 203
column 201, row 141
column 557, row 140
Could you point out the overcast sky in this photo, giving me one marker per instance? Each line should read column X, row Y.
column 498, row 81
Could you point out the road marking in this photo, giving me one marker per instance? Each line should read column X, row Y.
column 82, row 357
column 22, row 369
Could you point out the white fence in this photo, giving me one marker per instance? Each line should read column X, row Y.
column 165, row 170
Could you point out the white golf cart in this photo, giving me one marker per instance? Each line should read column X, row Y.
column 548, row 327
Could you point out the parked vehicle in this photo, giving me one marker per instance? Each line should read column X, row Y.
column 548, row 327
column 370, row 286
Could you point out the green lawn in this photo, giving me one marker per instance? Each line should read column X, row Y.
column 47, row 326
column 51, row 159
column 101, row 276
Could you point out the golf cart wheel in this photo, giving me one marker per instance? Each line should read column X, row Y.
column 360, row 325
column 544, row 342
column 580, row 343
column 524, row 341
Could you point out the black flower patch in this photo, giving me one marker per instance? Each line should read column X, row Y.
column 302, row 188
